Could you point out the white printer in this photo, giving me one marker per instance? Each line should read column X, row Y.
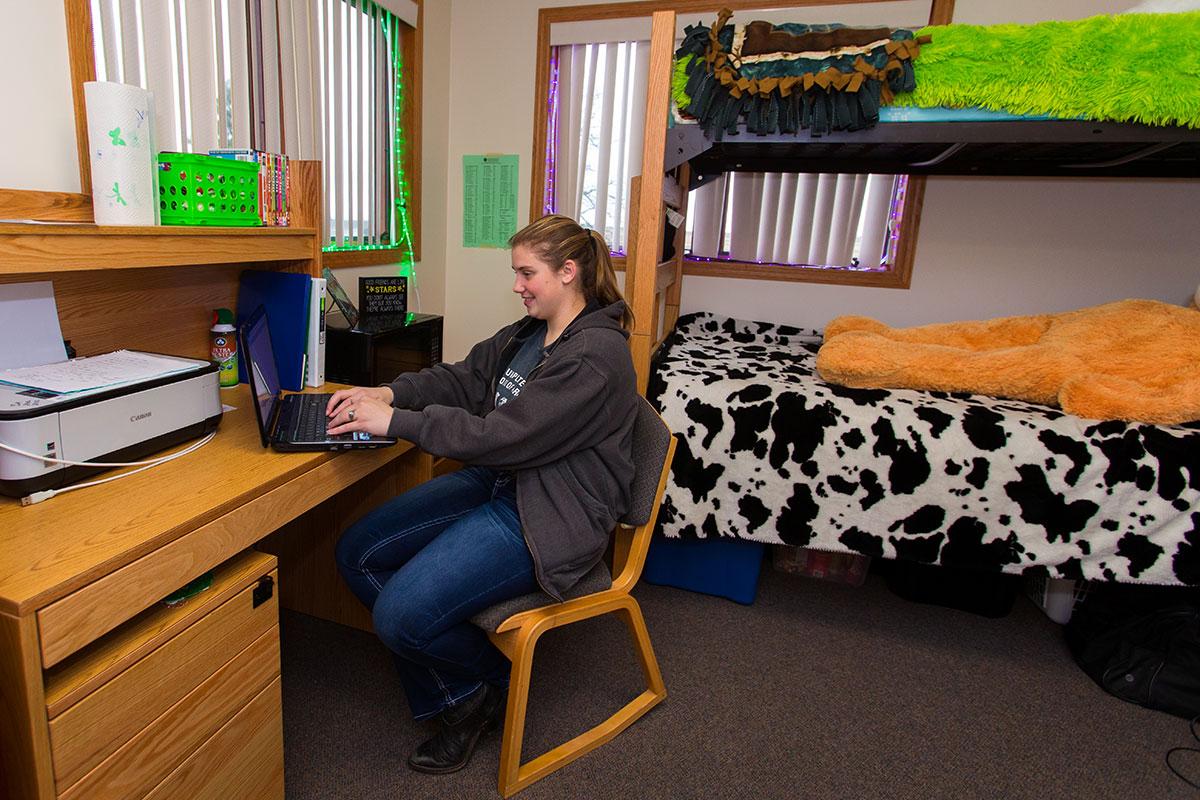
column 126, row 422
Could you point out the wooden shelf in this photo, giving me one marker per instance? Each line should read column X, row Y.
column 27, row 248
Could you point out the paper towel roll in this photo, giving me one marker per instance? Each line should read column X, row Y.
column 124, row 161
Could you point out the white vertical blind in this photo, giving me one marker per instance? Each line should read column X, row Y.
column 273, row 142
column 854, row 216
column 288, row 88
column 705, row 208
column 571, row 72
column 337, row 151
column 201, row 70
column 768, row 218
column 583, row 132
column 131, row 59
column 801, row 235
column 604, row 136
column 221, row 35
column 179, row 83
column 160, row 75
column 784, row 219
column 836, row 252
column 602, row 106
column 241, row 118
column 371, row 143
column 745, row 210
column 110, row 51
column 818, row 242
column 304, row 82
column 876, row 204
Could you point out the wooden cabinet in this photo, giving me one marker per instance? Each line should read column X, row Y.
column 134, row 706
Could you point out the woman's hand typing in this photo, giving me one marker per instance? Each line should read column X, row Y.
column 360, row 409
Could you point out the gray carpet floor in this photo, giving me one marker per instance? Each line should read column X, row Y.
column 817, row 690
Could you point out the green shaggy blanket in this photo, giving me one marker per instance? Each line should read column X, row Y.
column 1122, row 68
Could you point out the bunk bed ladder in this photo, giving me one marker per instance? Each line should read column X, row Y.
column 643, row 262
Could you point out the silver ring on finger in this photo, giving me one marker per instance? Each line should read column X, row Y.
column 350, row 415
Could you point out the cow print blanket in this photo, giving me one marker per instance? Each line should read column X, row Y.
column 769, row 452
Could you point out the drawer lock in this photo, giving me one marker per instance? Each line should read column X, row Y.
column 264, row 590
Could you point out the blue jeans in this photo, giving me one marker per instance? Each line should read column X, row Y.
column 428, row 560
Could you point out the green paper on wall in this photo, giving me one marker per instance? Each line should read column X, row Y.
column 489, row 200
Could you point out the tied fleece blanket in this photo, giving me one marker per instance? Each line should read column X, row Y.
column 784, row 78
column 1120, row 68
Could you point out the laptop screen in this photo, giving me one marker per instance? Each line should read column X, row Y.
column 260, row 357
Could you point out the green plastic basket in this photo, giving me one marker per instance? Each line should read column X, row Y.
column 206, row 190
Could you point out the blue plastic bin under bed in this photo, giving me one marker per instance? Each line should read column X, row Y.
column 722, row 567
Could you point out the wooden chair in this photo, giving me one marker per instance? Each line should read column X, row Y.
column 516, row 625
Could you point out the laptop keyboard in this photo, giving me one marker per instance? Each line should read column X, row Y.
column 307, row 423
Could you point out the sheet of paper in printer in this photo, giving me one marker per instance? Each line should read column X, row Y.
column 32, row 353
column 29, row 332
column 110, row 369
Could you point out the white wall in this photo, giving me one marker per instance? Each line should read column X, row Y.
column 987, row 246
column 38, row 140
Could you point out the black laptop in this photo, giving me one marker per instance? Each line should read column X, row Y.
column 293, row 421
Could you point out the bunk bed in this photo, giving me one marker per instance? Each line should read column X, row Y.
column 780, row 462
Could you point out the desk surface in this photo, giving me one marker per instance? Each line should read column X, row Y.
column 50, row 549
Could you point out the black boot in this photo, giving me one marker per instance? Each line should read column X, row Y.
column 461, row 726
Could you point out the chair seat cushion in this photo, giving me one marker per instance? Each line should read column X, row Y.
column 596, row 580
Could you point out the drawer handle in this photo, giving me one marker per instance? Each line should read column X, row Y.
column 264, row 590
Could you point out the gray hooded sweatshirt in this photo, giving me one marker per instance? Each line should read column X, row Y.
column 567, row 437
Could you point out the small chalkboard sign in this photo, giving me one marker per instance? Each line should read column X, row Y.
column 382, row 295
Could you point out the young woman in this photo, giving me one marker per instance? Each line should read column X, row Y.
column 542, row 415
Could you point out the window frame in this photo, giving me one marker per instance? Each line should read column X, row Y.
column 898, row 277
column 82, row 67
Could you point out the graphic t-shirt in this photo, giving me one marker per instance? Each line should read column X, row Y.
column 513, row 380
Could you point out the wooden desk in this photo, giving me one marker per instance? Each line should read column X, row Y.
column 77, row 570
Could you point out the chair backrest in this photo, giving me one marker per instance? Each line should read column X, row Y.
column 653, row 450
column 651, row 441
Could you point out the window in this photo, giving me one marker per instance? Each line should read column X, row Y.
column 361, row 93
column 598, row 102
column 823, row 228
column 315, row 79
column 823, row 221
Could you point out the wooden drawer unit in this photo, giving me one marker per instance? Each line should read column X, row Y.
column 244, row 759
column 128, row 710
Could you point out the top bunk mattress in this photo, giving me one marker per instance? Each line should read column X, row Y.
column 769, row 452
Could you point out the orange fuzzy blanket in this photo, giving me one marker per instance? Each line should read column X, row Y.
column 1134, row 360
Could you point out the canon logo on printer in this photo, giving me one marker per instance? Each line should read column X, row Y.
column 136, row 417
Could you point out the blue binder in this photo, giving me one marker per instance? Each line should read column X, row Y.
column 285, row 297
